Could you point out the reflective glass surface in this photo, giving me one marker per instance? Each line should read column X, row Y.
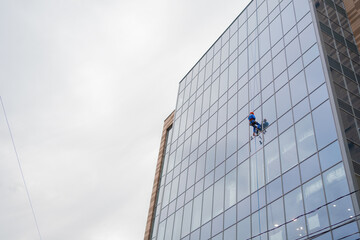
column 220, row 182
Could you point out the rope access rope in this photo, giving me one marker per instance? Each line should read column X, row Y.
column 21, row 171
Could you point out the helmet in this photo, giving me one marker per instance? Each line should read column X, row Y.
column 252, row 113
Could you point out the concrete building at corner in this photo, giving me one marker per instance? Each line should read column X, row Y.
column 296, row 64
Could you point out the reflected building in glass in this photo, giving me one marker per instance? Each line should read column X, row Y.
column 295, row 63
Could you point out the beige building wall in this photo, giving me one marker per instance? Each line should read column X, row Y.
column 353, row 12
column 167, row 124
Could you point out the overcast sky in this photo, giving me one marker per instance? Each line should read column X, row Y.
column 87, row 86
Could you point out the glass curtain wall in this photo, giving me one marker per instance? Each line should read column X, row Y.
column 219, row 184
column 343, row 57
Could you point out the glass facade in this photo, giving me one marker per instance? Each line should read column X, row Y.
column 216, row 182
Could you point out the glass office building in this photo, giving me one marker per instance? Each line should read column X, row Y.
column 295, row 63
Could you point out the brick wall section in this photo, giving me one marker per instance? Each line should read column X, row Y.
column 167, row 123
column 353, row 12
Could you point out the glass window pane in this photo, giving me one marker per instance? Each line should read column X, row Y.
column 279, row 63
column 243, row 180
column 314, row 75
column 288, row 150
column 230, row 189
column 307, row 38
column 259, row 222
column 288, row 18
column 301, row 8
column 294, row 204
column 186, row 219
column 243, row 208
column 243, row 132
column 243, row 229
column 272, row 160
column 293, row 51
column 276, row 218
column 324, row 125
column 206, row 231
column 161, row 230
column 283, row 102
column 268, row 91
column 266, row 75
column 177, row 224
column 281, row 81
column 285, row 121
column 335, row 183
column 230, row 217
column 293, row 209
column 264, row 42
column 196, row 214
column 218, row 197
column 269, row 110
column 309, row 168
column 298, row 88
column 311, row 54
column 258, row 200
column 207, row 205
column 231, row 142
column 230, row 233
column 330, row 155
column 252, row 23
column 318, row 96
column 217, row 224
column 243, row 96
column 275, row 30
column 348, row 229
column 313, row 198
column 291, row 179
column 305, row 138
column 273, row 190
column 257, row 171
column 301, row 109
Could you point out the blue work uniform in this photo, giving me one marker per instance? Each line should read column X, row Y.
column 254, row 123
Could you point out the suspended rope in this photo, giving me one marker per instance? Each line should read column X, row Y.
column 257, row 187
column 21, row 171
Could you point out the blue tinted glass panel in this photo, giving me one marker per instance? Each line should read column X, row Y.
column 273, row 190
column 307, row 38
column 288, row 18
column 330, row 155
column 291, row 179
column 301, row 8
column 275, row 30
column 275, row 218
column 318, row 96
column 298, row 88
column 279, row 63
column 230, row 217
column 230, row 234
column 257, row 171
column 243, row 229
column 293, row 51
column 309, row 168
column 324, row 125
column 283, row 102
column 305, row 138
column 272, row 160
column 314, row 75
column 288, row 150
column 243, row 208
column 313, row 198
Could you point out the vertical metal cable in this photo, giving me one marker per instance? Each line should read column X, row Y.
column 21, row 171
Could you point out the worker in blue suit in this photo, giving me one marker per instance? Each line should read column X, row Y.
column 252, row 121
